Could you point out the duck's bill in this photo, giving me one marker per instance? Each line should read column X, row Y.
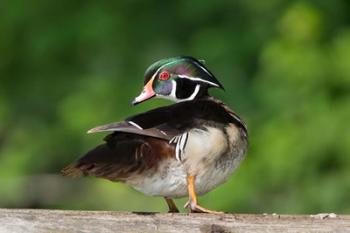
column 146, row 94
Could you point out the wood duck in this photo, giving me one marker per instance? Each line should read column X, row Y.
column 185, row 149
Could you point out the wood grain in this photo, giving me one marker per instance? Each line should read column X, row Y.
column 64, row 221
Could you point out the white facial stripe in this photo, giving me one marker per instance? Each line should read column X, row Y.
column 198, row 79
column 194, row 94
column 205, row 70
column 173, row 90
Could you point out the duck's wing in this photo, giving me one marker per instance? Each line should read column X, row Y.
column 121, row 157
column 157, row 123
column 138, row 144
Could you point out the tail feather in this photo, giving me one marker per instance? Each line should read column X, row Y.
column 72, row 170
column 104, row 161
column 121, row 157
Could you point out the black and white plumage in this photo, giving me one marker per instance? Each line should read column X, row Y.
column 187, row 148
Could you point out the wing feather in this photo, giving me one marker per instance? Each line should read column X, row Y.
column 130, row 128
column 121, row 157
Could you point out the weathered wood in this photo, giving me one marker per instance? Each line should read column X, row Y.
column 61, row 221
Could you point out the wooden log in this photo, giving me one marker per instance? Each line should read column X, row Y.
column 64, row 221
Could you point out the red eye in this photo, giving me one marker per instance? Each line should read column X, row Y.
column 164, row 75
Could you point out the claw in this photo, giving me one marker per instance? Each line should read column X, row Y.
column 195, row 208
column 199, row 209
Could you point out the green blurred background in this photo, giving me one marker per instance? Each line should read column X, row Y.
column 67, row 66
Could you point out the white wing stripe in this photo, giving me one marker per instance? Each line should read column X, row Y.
column 177, row 152
column 181, row 142
column 134, row 124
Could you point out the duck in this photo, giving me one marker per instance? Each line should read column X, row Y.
column 185, row 149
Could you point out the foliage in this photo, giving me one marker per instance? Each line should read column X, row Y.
column 68, row 66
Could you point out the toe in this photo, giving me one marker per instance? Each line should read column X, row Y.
column 200, row 209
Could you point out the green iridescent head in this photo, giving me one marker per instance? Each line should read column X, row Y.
column 179, row 79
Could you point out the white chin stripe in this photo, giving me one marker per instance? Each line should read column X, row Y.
column 198, row 80
column 173, row 97
column 194, row 94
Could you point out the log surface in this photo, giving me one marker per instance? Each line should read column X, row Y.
column 64, row 221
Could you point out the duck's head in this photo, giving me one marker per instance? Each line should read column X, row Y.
column 179, row 79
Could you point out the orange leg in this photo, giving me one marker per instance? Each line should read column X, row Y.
column 172, row 206
column 192, row 202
